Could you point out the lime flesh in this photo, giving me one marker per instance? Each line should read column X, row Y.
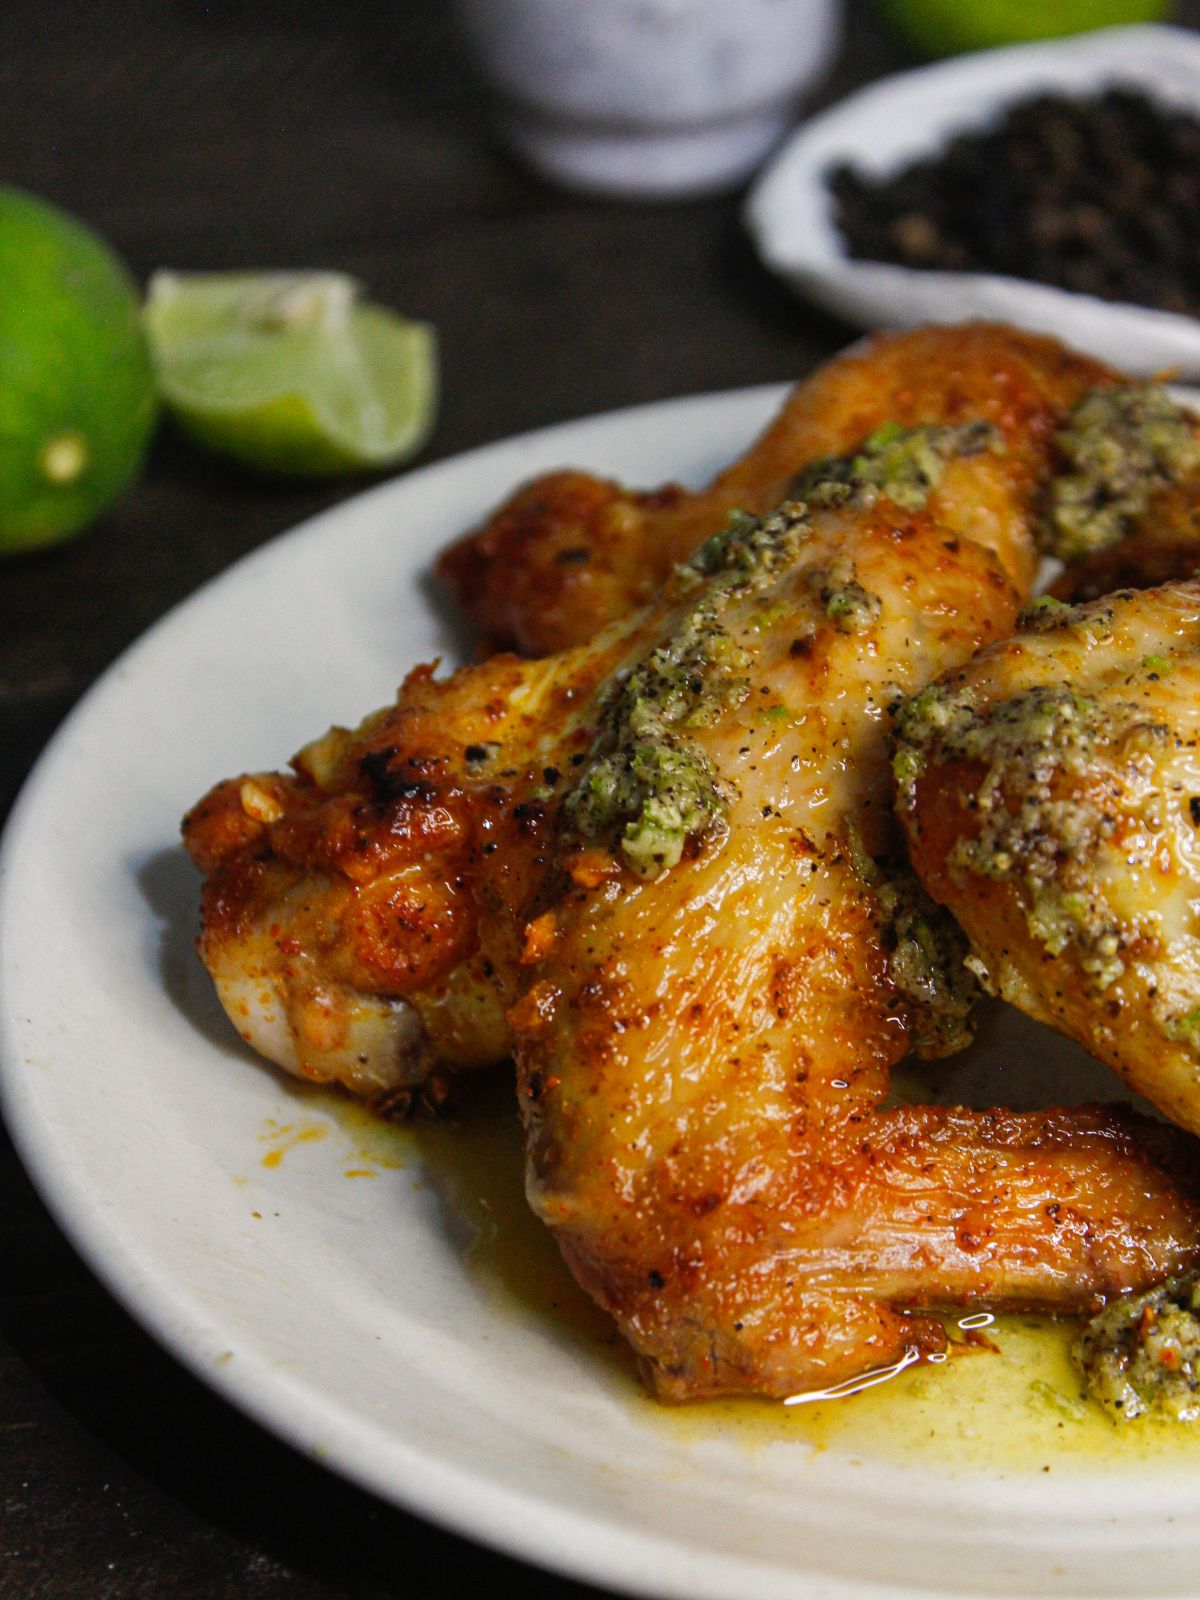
column 77, row 401
column 291, row 373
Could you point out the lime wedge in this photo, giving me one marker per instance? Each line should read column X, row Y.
column 291, row 372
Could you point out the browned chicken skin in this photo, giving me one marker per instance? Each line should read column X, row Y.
column 692, row 940
column 702, row 1058
column 569, row 553
column 1164, row 545
column 348, row 913
column 359, row 914
column 1051, row 797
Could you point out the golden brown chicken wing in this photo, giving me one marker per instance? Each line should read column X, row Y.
column 1050, row 791
column 689, row 904
column 569, row 553
column 348, row 913
column 359, row 913
column 702, row 1052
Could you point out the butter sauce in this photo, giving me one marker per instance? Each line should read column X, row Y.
column 1005, row 1399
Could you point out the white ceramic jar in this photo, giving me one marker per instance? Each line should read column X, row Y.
column 649, row 97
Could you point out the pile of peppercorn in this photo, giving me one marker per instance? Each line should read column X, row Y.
column 1098, row 195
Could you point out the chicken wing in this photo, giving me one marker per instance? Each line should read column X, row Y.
column 350, row 910
column 675, row 846
column 1050, row 791
column 569, row 552
column 702, row 1054
column 662, row 865
column 359, row 913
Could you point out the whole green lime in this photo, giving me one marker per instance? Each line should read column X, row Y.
column 941, row 27
column 77, row 396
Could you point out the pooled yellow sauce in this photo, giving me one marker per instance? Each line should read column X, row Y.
column 1016, row 1409
column 1012, row 1404
column 375, row 1146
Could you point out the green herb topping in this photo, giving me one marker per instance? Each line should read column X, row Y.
column 648, row 781
column 1120, row 447
column 1141, row 1354
column 844, row 601
column 927, row 963
column 904, row 465
column 1030, row 828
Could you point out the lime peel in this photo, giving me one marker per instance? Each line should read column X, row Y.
column 75, row 375
column 63, row 458
column 942, row 27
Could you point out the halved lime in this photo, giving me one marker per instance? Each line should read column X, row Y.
column 77, row 399
column 291, row 372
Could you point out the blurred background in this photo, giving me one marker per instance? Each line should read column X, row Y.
column 358, row 137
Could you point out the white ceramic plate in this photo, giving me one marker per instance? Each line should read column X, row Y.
column 340, row 1313
column 887, row 125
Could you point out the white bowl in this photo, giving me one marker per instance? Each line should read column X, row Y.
column 649, row 98
column 892, row 123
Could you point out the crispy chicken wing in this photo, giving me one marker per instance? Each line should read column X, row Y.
column 1051, row 795
column 675, row 847
column 703, row 1052
column 1162, row 545
column 359, row 913
column 569, row 552
column 349, row 911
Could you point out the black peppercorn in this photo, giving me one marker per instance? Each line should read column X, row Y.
column 1099, row 195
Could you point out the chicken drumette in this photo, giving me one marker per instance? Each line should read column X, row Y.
column 348, row 917
column 662, row 865
column 1051, row 795
column 569, row 552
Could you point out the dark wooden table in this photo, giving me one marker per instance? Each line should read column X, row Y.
column 255, row 135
